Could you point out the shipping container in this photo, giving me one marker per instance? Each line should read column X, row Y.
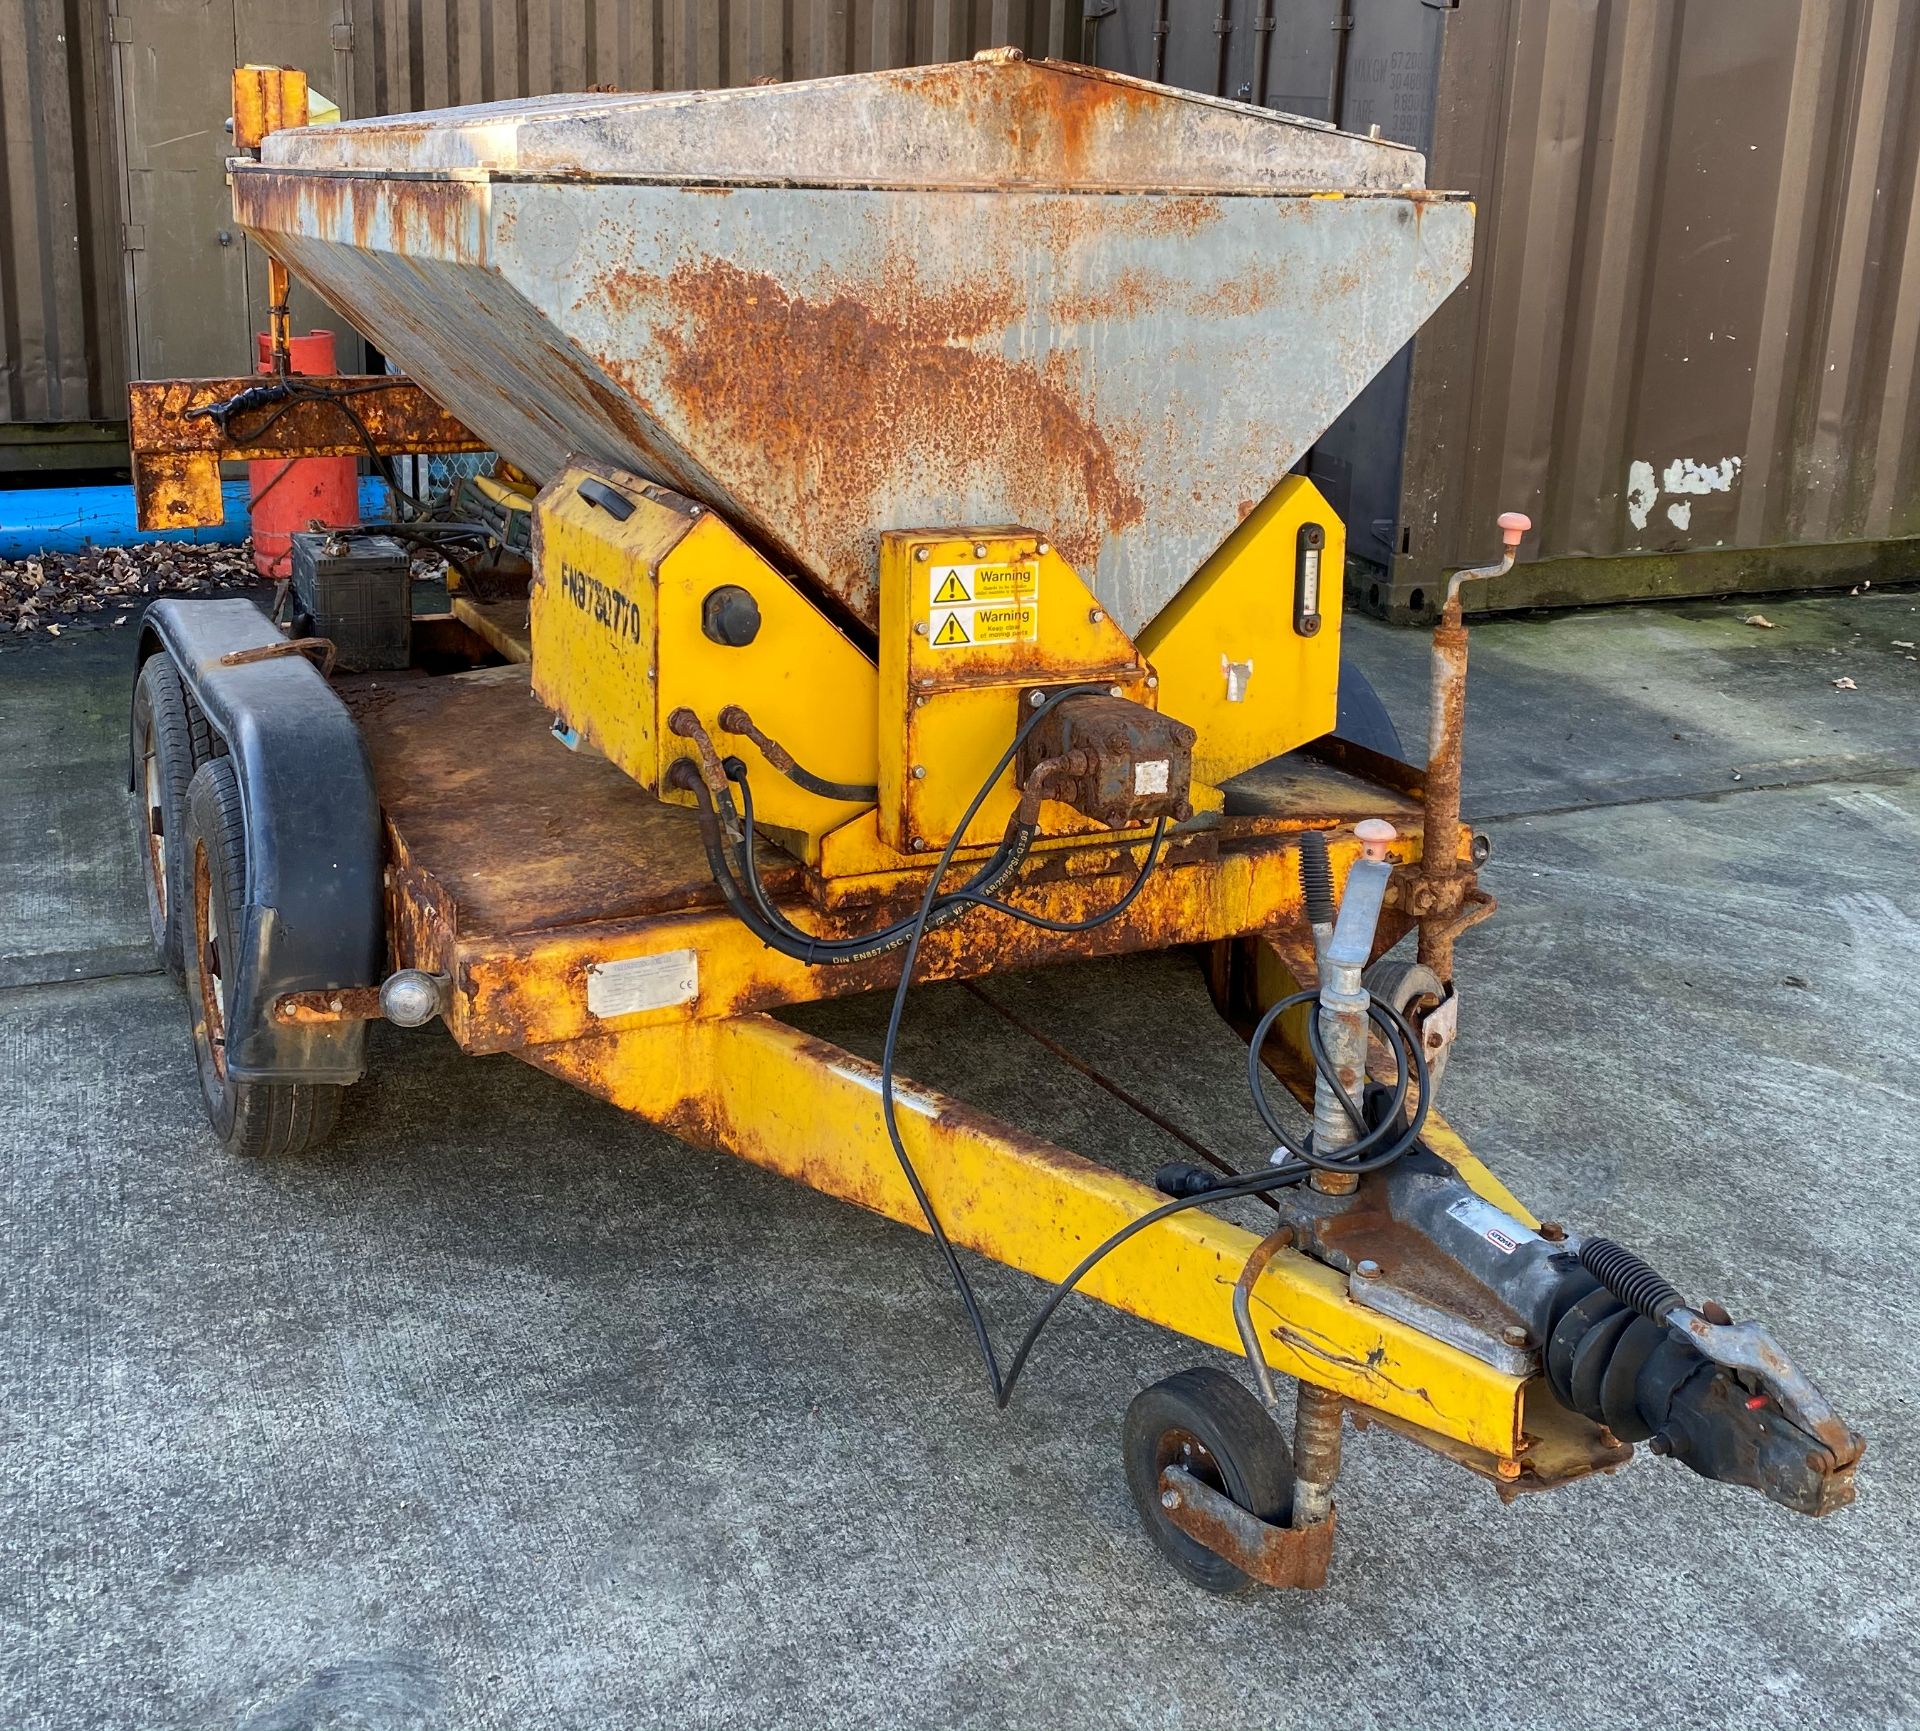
column 62, row 357
column 1690, row 346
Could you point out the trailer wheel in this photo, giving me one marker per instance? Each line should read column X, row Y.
column 170, row 741
column 257, row 1119
column 1207, row 1423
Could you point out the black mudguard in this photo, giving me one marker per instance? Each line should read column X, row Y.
column 314, row 855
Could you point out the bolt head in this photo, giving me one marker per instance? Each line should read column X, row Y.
column 1553, row 1232
column 1036, row 698
column 921, row 554
column 979, row 549
column 1514, row 1335
column 1043, row 547
column 1169, row 1499
column 919, row 772
column 1096, row 615
column 1660, row 1444
column 1113, row 691
column 919, row 628
column 918, row 844
column 1367, row 1268
column 1507, row 1469
column 1153, row 682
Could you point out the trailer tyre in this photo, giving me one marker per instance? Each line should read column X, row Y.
column 1207, row 1423
column 256, row 1119
column 171, row 740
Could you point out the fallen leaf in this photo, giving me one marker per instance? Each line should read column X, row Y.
column 1901, row 643
column 1758, row 620
column 1838, row 684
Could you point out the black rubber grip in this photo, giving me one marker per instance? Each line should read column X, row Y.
column 1629, row 1279
column 1316, row 878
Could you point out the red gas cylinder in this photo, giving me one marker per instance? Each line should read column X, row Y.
column 290, row 493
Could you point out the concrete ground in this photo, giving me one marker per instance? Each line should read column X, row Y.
column 507, row 1411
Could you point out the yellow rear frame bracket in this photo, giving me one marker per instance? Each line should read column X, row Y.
column 1248, row 653
column 625, row 573
column 971, row 620
column 811, row 1112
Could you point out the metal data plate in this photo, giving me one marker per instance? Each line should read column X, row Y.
column 626, row 988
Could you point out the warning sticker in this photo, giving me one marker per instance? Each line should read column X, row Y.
column 959, row 627
column 968, row 585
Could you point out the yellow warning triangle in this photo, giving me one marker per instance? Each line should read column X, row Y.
column 952, row 590
column 952, row 632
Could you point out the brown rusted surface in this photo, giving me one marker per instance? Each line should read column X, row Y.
column 169, row 415
column 266, row 99
column 518, row 834
column 337, row 1004
column 1556, row 1447
column 819, row 396
column 1274, row 1556
column 177, row 490
column 319, row 650
column 1446, row 880
column 1409, row 1262
column 177, row 447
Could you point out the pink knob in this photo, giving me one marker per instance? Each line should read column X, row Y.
column 1514, row 524
column 1375, row 835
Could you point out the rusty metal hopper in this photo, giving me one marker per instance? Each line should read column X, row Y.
column 995, row 292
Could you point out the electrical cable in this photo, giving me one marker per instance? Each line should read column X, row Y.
column 284, row 395
column 1374, row 1146
column 1002, row 1387
column 1100, row 919
column 773, row 928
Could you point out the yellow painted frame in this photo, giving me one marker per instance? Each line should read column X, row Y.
column 810, row 1111
column 618, row 647
column 1238, row 608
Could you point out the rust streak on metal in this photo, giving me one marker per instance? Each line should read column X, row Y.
column 321, row 1008
column 319, row 650
column 820, row 389
column 170, row 415
column 1274, row 1556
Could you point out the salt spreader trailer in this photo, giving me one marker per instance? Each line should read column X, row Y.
column 920, row 585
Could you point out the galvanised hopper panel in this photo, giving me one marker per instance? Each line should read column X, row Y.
column 1129, row 370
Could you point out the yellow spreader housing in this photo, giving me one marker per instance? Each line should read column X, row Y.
column 974, row 624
